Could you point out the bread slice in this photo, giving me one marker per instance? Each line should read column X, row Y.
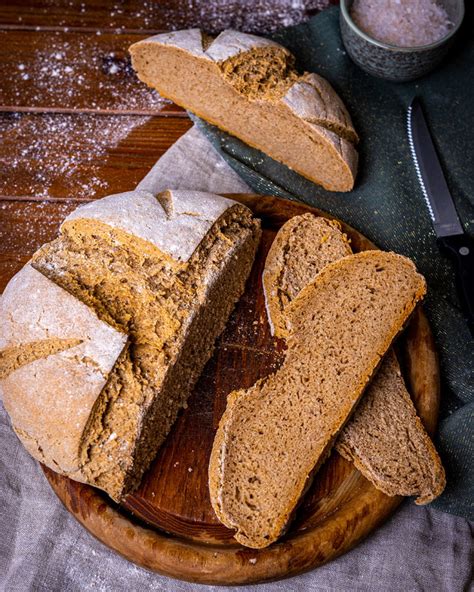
column 274, row 435
column 302, row 248
column 162, row 272
column 384, row 438
column 248, row 86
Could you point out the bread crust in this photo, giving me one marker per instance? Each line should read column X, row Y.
column 170, row 231
column 173, row 221
column 49, row 398
column 325, row 231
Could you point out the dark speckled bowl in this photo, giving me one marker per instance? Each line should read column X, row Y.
column 392, row 62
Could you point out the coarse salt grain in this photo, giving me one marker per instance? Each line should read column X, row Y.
column 404, row 23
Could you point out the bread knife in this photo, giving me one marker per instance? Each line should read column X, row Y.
column 451, row 238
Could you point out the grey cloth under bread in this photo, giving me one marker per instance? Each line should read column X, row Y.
column 44, row 549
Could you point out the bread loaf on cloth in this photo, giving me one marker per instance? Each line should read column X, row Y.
column 385, row 438
column 105, row 331
column 249, row 87
column 275, row 435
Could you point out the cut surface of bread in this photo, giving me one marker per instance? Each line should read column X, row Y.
column 302, row 248
column 274, row 435
column 384, row 438
column 248, row 86
column 164, row 271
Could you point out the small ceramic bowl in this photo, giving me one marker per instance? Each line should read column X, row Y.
column 392, row 62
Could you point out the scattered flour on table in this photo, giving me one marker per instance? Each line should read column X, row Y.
column 35, row 224
column 53, row 151
column 93, row 71
column 405, row 23
column 252, row 16
column 76, row 71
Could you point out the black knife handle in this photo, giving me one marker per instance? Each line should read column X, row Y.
column 460, row 248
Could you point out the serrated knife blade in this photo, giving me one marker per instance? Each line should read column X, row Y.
column 430, row 174
column 452, row 239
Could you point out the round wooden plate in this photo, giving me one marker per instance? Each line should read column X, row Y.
column 169, row 526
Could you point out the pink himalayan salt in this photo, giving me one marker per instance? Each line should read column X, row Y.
column 405, row 23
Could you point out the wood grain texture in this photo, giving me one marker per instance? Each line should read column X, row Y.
column 340, row 508
column 158, row 15
column 74, row 71
column 83, row 156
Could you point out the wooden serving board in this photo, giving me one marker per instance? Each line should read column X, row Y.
column 169, row 526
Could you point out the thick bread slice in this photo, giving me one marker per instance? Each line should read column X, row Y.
column 49, row 394
column 273, row 436
column 387, row 442
column 165, row 269
column 302, row 247
column 385, row 438
column 248, row 86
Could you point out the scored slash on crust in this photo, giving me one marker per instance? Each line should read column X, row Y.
column 415, row 161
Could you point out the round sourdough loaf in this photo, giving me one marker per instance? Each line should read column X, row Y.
column 105, row 331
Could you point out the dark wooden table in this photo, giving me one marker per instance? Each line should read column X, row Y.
column 75, row 123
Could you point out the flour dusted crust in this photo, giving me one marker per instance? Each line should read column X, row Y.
column 174, row 221
column 313, row 99
column 189, row 40
column 310, row 129
column 49, row 400
column 230, row 43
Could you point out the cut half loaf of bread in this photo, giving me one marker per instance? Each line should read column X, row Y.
column 384, row 438
column 248, row 86
column 274, row 435
column 118, row 316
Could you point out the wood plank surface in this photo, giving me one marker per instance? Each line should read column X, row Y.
column 24, row 227
column 57, row 71
column 69, row 57
column 80, row 156
column 158, row 15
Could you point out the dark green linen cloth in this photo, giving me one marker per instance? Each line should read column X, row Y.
column 387, row 205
